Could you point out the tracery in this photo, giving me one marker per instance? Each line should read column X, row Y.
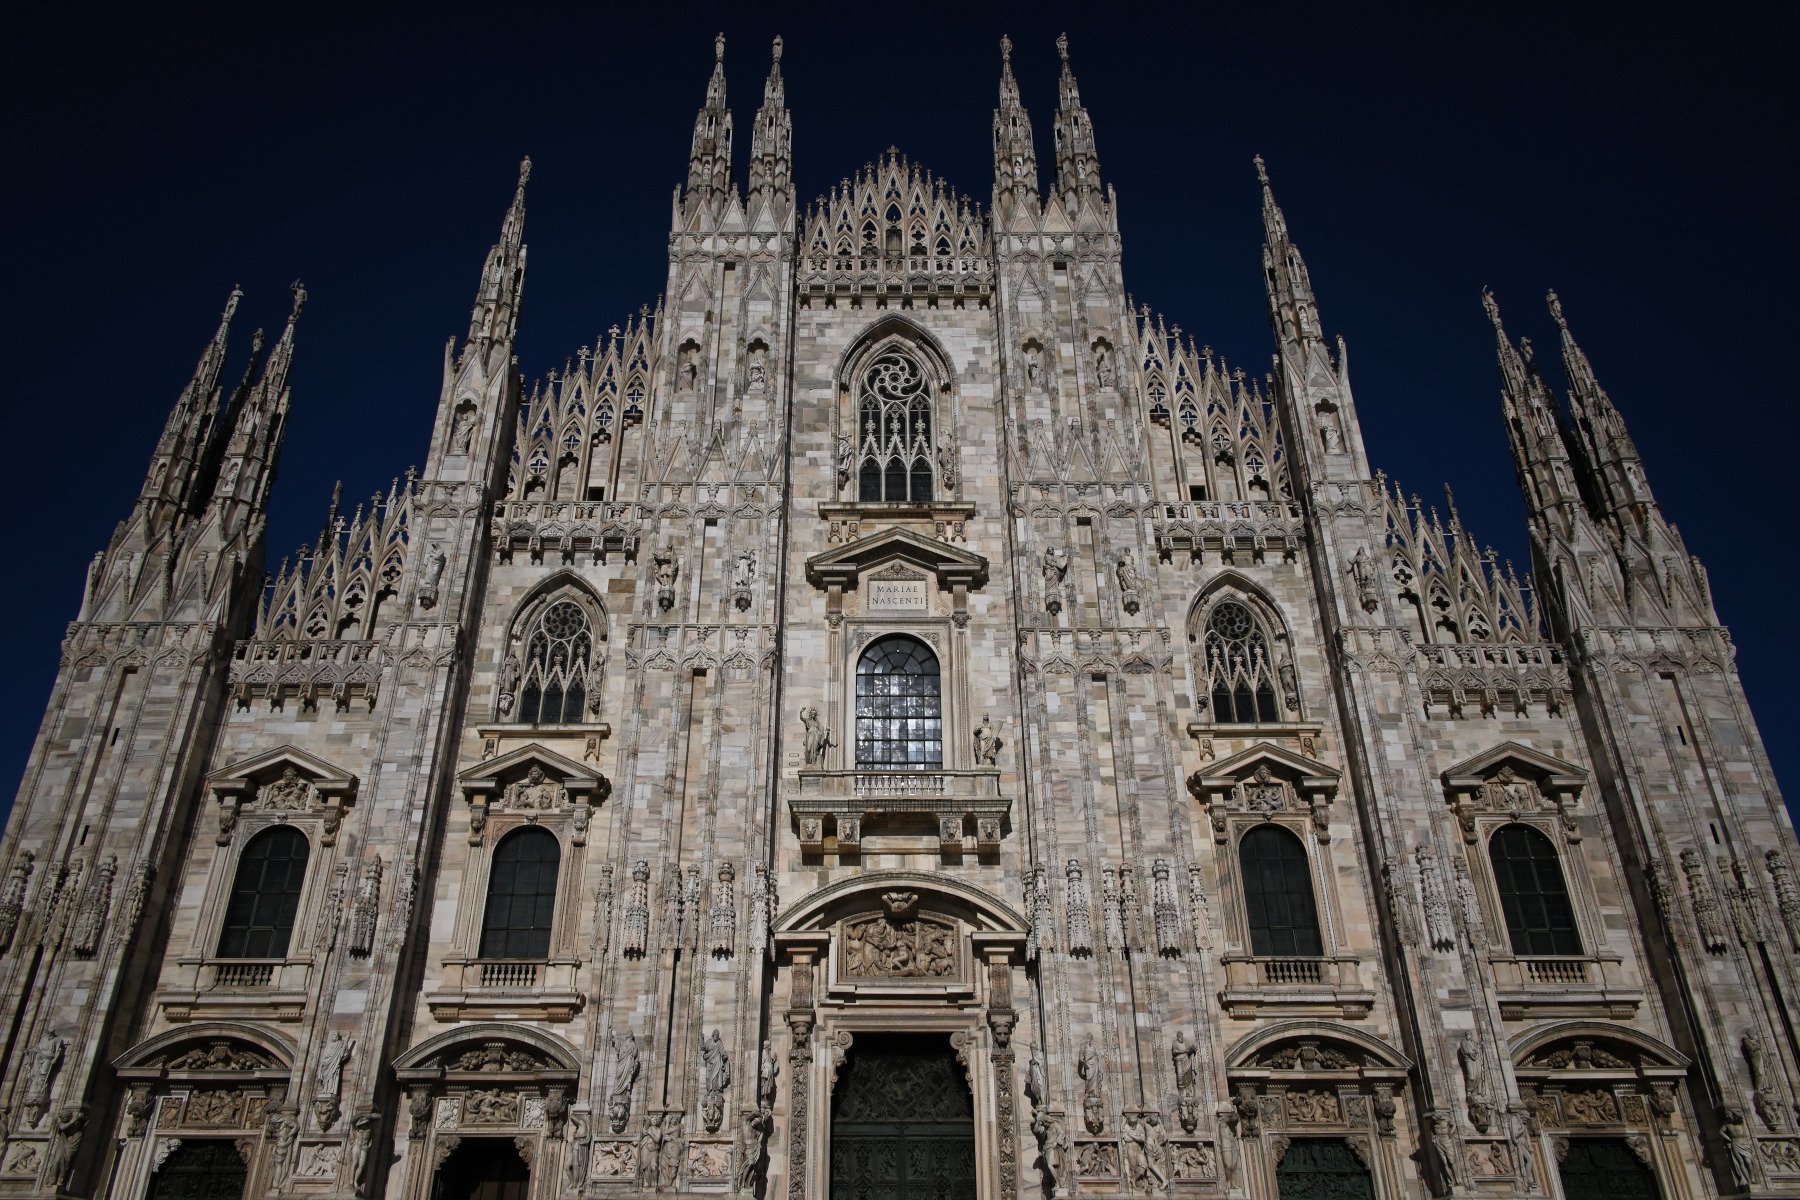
column 895, row 434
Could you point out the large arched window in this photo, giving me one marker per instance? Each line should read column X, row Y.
column 265, row 896
column 554, row 684
column 899, row 707
column 1238, row 667
column 1278, row 897
column 1533, row 897
column 894, row 433
column 521, row 899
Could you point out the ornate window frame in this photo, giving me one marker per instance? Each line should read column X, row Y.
column 888, row 335
column 1318, row 1079
column 219, row 1080
column 1511, row 783
column 492, row 1080
column 1271, row 784
column 1230, row 586
column 512, row 669
column 528, row 786
column 283, row 786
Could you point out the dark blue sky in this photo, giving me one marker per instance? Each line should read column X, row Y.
column 1638, row 158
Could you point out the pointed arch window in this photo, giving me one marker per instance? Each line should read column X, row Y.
column 1533, row 896
column 554, row 685
column 1278, row 897
column 265, row 895
column 521, row 899
column 894, row 432
column 1240, row 676
column 899, row 707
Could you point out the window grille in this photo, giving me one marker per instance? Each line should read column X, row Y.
column 895, row 432
column 554, row 686
column 265, row 896
column 1533, row 897
column 899, row 707
column 1238, row 668
column 521, row 899
column 1278, row 898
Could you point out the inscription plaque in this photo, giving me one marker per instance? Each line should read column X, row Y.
column 897, row 595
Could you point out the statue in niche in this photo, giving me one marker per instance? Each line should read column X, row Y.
column 462, row 436
column 1056, row 566
column 987, row 746
column 1103, row 365
column 771, row 1069
column 690, row 367
column 745, row 570
column 1092, row 1069
column 1127, row 574
column 1334, row 438
column 758, row 372
column 816, row 737
column 716, row 1068
column 510, row 671
column 1033, row 368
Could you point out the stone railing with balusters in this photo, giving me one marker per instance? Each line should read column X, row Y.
column 958, row 800
column 1254, row 983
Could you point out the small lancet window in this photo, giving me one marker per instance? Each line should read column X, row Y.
column 553, row 687
column 265, row 895
column 895, row 442
column 1241, row 677
column 521, row 899
column 1539, row 918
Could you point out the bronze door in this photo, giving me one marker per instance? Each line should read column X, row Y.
column 902, row 1122
column 1605, row 1169
column 200, row 1170
column 483, row 1169
column 1322, row 1169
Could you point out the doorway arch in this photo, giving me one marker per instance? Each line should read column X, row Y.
column 482, row 1168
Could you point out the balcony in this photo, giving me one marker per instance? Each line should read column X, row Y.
column 509, row 974
column 1258, row 986
column 230, row 989
column 243, row 974
column 1584, row 985
column 960, row 802
column 507, row 989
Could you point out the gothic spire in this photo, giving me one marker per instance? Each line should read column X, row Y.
column 1015, row 161
column 180, row 452
column 771, row 143
column 1292, row 306
column 1540, row 456
column 1077, row 161
column 1614, row 466
column 496, row 314
column 709, row 158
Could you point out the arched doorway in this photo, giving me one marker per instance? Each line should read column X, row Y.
column 1322, row 1169
column 482, row 1168
column 200, row 1170
column 902, row 1121
column 1605, row 1169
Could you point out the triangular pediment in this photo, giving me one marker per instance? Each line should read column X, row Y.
column 1554, row 774
column 246, row 774
column 844, row 565
column 491, row 774
column 1309, row 774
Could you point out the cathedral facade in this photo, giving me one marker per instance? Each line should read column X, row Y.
column 894, row 720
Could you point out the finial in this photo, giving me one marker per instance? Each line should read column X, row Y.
column 1006, row 50
column 524, row 170
column 719, row 48
column 1556, row 311
column 231, row 301
column 777, row 47
column 1492, row 307
column 299, row 290
column 1262, row 175
column 1062, row 46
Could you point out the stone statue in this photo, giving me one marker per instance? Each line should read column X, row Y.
column 462, row 437
column 649, row 1156
column 1032, row 368
column 1056, row 566
column 40, row 1064
column 1362, row 570
column 765, row 1081
column 816, row 738
column 987, row 746
column 1137, row 1170
column 1103, row 365
column 745, row 571
column 690, row 367
column 1524, row 1139
column 1127, row 574
column 753, row 1148
column 1184, row 1052
column 845, row 452
column 1739, row 1142
column 716, row 1068
column 1053, row 1147
column 510, row 672
column 759, row 368
column 65, row 1138
column 1037, row 1083
column 1092, row 1069
column 1443, row 1147
column 672, row 1148
column 1156, row 1151
column 624, row 1075
column 331, row 1063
